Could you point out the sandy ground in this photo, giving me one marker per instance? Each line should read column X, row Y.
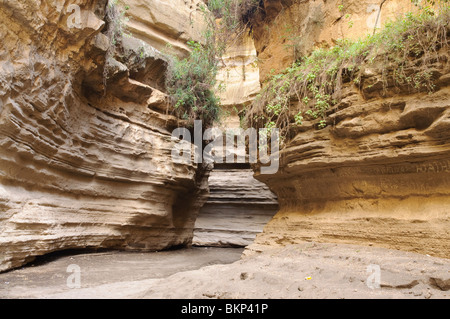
column 112, row 274
column 308, row 270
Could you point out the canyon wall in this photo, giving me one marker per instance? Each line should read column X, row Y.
column 85, row 149
column 167, row 25
column 378, row 174
column 285, row 30
column 85, row 137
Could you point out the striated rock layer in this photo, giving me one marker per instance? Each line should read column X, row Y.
column 237, row 208
column 379, row 174
column 81, row 164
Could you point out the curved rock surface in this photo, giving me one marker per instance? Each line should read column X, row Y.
column 79, row 168
column 167, row 25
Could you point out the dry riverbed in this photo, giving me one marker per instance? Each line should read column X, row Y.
column 309, row 270
column 111, row 274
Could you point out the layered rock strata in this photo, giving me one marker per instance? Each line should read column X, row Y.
column 85, row 154
column 237, row 208
column 238, row 73
column 379, row 174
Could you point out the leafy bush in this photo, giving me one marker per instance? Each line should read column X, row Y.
column 190, row 81
column 314, row 83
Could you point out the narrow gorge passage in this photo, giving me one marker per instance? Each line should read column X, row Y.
column 94, row 204
column 238, row 208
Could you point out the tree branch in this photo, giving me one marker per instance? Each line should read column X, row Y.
column 378, row 16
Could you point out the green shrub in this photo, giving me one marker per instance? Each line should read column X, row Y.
column 313, row 84
column 190, row 81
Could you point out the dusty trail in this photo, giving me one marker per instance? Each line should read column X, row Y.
column 308, row 270
column 48, row 276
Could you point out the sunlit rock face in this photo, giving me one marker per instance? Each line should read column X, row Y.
column 239, row 72
column 83, row 164
column 285, row 30
column 379, row 173
column 167, row 25
column 385, row 184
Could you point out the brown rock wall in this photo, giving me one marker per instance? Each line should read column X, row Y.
column 79, row 168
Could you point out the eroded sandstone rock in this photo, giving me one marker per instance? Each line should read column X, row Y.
column 80, row 165
column 168, row 25
column 379, row 174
